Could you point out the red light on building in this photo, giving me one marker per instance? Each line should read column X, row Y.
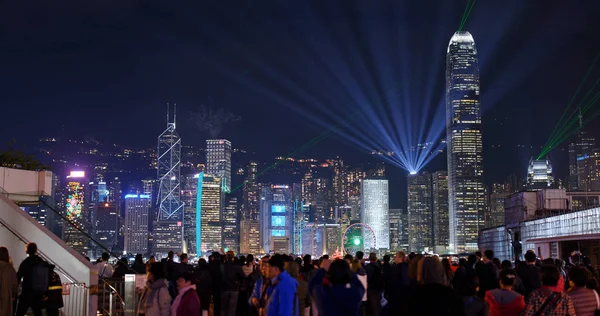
column 105, row 204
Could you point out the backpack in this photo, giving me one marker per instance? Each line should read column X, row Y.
column 40, row 277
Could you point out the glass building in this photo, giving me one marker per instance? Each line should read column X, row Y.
column 137, row 211
column 466, row 190
column 276, row 217
column 539, row 174
column 374, row 210
column 209, row 227
column 420, row 212
column 231, row 232
column 441, row 225
column 168, row 229
column 218, row 160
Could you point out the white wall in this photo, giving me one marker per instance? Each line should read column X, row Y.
column 25, row 185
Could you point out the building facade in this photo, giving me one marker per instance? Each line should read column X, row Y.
column 395, row 228
column 374, row 210
column 420, row 212
column 218, row 160
column 276, row 214
column 168, row 228
column 209, row 211
column 231, row 232
column 137, row 220
column 77, row 213
column 466, row 190
column 539, row 174
column 441, row 224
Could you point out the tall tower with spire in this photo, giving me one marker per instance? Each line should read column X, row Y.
column 466, row 192
column 168, row 228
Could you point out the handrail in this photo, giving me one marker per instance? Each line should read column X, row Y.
column 40, row 253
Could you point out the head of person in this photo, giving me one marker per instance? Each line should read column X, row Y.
column 325, row 257
column 507, row 278
column 152, row 259
column 170, row 255
column 202, row 264
column 386, row 259
column 372, row 257
column 348, row 258
column 264, row 266
column 578, row 277
column 339, row 272
column 360, row 255
column 139, row 258
column 230, row 255
column 307, row 260
column 559, row 263
column 530, row 257
column 185, row 280
column 400, row 257
column 462, row 262
column 156, row 272
column 471, row 259
column 506, row 264
column 105, row 256
column 4, row 256
column 489, row 254
column 249, row 259
column 31, row 248
column 356, row 265
column 497, row 263
column 293, row 269
column 276, row 264
column 411, row 256
column 549, row 275
column 479, row 255
column 446, row 263
column 298, row 260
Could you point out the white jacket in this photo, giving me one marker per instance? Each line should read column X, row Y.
column 161, row 304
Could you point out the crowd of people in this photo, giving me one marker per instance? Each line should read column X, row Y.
column 287, row 285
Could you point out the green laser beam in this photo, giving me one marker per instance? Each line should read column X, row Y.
column 576, row 120
column 574, row 96
column 330, row 131
column 464, row 15
column 583, row 100
column 466, row 18
column 567, row 132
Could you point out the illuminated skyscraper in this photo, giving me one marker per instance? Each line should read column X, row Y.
column 582, row 147
column 441, row 227
column 495, row 216
column 539, row 174
column 249, row 224
column 218, row 160
column 189, row 194
column 464, row 140
column 77, row 213
column 211, row 227
column 137, row 220
column 374, row 210
column 395, row 224
column 420, row 212
column 276, row 213
column 168, row 229
column 231, row 232
column 107, row 222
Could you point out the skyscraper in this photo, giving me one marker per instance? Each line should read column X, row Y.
column 395, row 224
column 231, row 232
column 539, row 174
column 168, row 229
column 420, row 212
column 276, row 213
column 106, row 226
column 77, row 213
column 496, row 214
column 249, row 223
column 582, row 146
column 218, row 160
column 466, row 190
column 441, row 225
column 211, row 202
column 137, row 220
column 340, row 182
column 374, row 210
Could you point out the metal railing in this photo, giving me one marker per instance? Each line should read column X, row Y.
column 110, row 297
column 75, row 299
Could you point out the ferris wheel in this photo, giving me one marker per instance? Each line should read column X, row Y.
column 358, row 237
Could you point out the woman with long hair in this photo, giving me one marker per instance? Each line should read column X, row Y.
column 8, row 283
column 155, row 299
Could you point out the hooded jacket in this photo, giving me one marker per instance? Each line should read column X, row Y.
column 336, row 299
column 504, row 302
column 283, row 296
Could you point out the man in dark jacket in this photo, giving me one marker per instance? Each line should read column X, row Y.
column 388, row 271
column 487, row 272
column 214, row 267
column 29, row 297
column 530, row 274
column 232, row 276
column 398, row 285
column 374, row 285
column 53, row 300
column 171, row 267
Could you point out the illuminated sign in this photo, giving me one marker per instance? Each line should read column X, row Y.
column 135, row 196
column 278, row 208
column 74, row 200
column 76, row 174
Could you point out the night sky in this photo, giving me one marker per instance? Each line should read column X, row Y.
column 107, row 68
